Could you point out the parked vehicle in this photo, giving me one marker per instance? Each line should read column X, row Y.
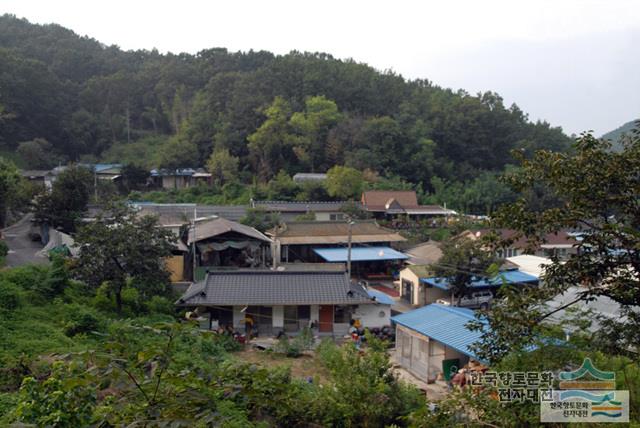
column 477, row 299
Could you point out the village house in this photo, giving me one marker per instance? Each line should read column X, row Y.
column 287, row 299
column 224, row 243
column 561, row 244
column 319, row 242
column 433, row 342
column 411, row 288
column 394, row 204
column 107, row 171
column 302, row 177
column 179, row 178
column 290, row 211
column 39, row 177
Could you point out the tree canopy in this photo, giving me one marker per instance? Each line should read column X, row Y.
column 598, row 190
column 299, row 112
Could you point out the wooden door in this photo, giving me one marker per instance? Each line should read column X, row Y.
column 326, row 319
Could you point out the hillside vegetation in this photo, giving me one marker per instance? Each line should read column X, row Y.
column 619, row 133
column 294, row 112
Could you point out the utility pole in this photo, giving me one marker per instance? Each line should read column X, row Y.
column 195, row 214
column 351, row 223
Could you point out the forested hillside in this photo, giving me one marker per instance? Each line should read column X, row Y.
column 297, row 112
column 617, row 134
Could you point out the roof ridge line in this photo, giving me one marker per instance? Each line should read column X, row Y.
column 453, row 311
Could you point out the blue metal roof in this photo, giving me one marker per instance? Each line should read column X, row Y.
column 360, row 254
column 508, row 277
column 445, row 324
column 105, row 166
column 380, row 297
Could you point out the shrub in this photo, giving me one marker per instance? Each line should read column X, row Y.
column 160, row 305
column 82, row 322
column 4, row 250
column 11, row 296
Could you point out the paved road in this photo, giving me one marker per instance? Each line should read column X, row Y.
column 22, row 250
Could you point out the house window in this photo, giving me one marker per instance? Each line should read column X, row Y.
column 342, row 314
column 336, row 217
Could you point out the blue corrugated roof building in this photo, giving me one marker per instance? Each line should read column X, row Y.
column 360, row 254
column 445, row 324
column 506, row 277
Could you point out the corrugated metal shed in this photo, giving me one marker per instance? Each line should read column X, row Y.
column 359, row 254
column 508, row 277
column 446, row 324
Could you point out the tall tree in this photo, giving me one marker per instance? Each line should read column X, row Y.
column 67, row 202
column 222, row 166
column 599, row 193
column 9, row 181
column 344, row 182
column 268, row 146
column 311, row 129
column 464, row 261
column 122, row 249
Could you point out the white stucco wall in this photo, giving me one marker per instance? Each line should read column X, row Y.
column 238, row 317
column 315, row 313
column 278, row 317
column 369, row 315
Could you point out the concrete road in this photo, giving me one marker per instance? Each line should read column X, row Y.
column 22, row 250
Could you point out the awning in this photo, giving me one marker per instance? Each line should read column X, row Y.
column 360, row 254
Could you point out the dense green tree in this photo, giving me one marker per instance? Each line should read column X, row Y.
column 311, row 129
column 282, row 187
column 344, row 182
column 463, row 260
column 67, row 202
column 122, row 249
column 177, row 153
column 134, row 177
column 598, row 190
column 37, row 154
column 222, row 166
column 260, row 219
column 9, row 182
column 268, row 146
column 271, row 112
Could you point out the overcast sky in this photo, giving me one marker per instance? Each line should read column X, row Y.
column 574, row 63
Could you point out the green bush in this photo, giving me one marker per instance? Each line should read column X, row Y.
column 4, row 250
column 11, row 296
column 160, row 305
column 82, row 322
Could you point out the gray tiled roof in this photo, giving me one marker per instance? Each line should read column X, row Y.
column 301, row 206
column 172, row 214
column 267, row 287
column 218, row 226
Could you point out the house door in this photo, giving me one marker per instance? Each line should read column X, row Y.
column 326, row 319
column 407, row 291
